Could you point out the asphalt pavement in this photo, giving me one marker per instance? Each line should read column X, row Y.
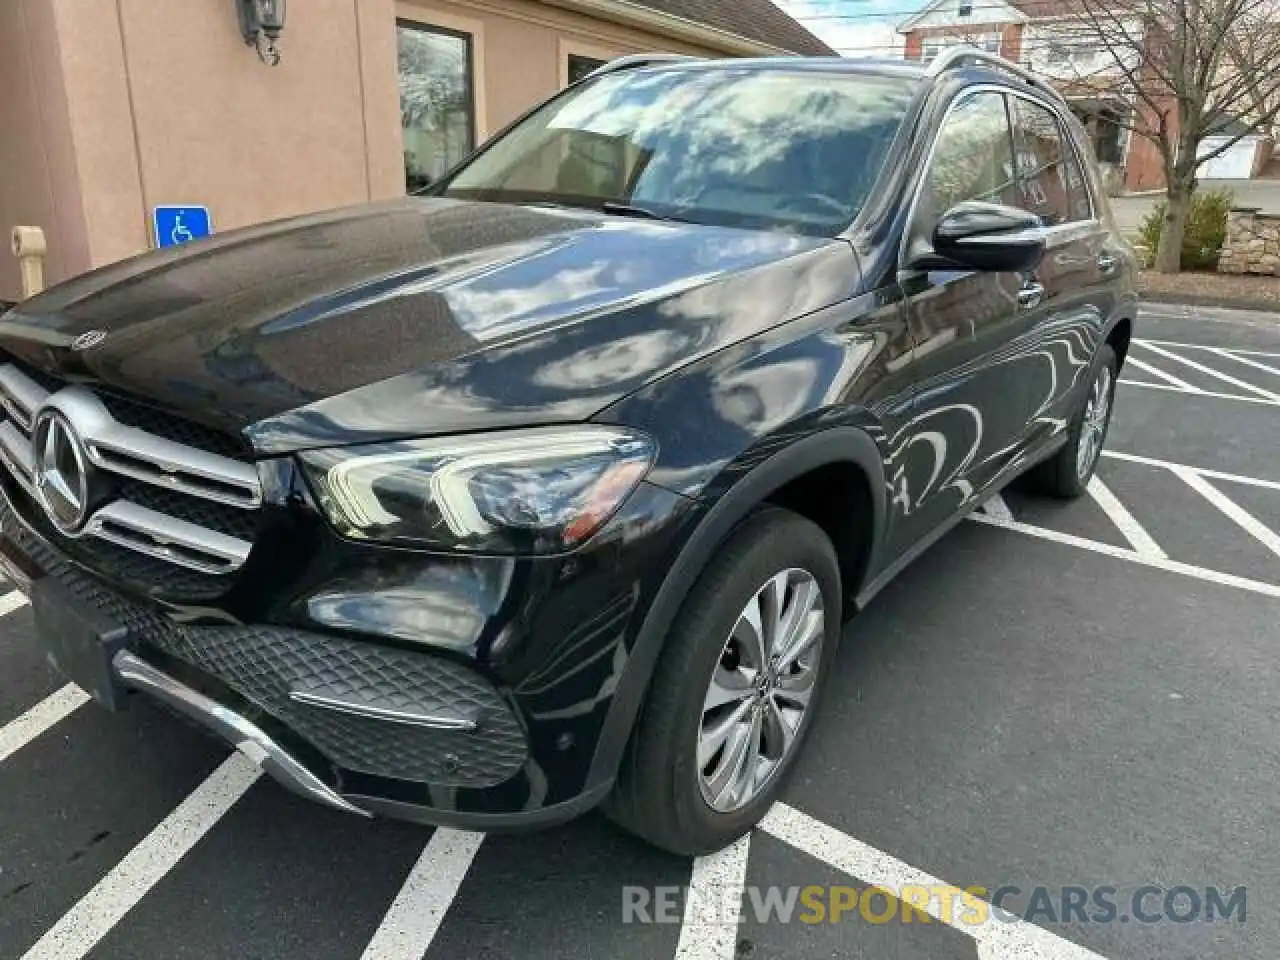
column 1056, row 698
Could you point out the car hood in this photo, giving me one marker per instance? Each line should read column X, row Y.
column 419, row 317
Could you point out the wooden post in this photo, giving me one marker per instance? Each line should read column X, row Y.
column 29, row 247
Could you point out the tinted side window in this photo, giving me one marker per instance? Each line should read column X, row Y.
column 972, row 159
column 1040, row 163
column 1077, row 185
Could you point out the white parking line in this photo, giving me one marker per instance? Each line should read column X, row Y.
column 1125, row 521
column 11, row 601
column 709, row 930
column 1224, row 377
column 1166, row 377
column 1209, row 394
column 1120, row 553
column 1231, row 355
column 80, row 929
column 1242, row 517
column 54, row 708
column 995, row 506
column 1205, row 346
column 1203, row 471
column 1005, row 938
column 419, row 908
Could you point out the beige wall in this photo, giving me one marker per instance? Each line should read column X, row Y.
column 35, row 143
column 215, row 126
column 523, row 47
column 108, row 109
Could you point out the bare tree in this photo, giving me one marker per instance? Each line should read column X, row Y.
column 1192, row 69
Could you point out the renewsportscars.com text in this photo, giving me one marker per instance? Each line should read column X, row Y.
column 970, row 906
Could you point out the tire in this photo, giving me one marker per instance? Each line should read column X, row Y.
column 662, row 794
column 1068, row 472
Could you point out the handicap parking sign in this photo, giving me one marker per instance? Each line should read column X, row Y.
column 175, row 225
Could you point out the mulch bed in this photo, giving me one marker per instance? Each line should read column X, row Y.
column 1244, row 291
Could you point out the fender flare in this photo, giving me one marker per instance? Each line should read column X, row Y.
column 842, row 444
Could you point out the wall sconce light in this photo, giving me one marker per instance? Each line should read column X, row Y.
column 261, row 23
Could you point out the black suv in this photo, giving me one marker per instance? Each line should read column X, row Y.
column 556, row 485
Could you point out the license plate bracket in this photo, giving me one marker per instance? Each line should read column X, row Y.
column 79, row 640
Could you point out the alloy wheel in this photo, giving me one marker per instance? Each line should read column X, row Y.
column 760, row 690
column 1093, row 430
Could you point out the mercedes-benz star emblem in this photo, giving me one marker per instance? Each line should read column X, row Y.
column 61, row 471
column 88, row 340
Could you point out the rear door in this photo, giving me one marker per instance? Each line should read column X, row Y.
column 1075, row 278
column 971, row 407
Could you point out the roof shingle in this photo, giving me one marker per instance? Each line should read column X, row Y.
column 759, row 20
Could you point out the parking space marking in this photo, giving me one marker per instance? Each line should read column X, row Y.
column 999, row 938
column 1246, row 361
column 54, row 708
column 995, row 506
column 1202, row 471
column 1209, row 371
column 419, row 908
column 709, row 930
column 1238, row 514
column 1125, row 521
column 1166, row 377
column 1120, row 553
column 92, row 918
column 1197, row 392
column 11, row 601
column 1204, row 346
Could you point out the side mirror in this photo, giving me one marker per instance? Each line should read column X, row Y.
column 989, row 236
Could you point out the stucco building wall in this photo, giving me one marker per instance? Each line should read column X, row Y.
column 37, row 165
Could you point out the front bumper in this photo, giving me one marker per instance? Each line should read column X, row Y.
column 357, row 725
column 136, row 674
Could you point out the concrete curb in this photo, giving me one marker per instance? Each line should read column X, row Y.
column 1212, row 313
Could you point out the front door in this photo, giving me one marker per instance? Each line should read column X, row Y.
column 970, row 330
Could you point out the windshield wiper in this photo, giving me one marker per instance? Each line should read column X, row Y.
column 630, row 210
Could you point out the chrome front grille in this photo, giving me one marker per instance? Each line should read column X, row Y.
column 159, row 484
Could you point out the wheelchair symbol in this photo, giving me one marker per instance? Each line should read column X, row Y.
column 176, row 225
column 180, row 232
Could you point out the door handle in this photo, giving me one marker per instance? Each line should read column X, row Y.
column 1029, row 297
column 1107, row 263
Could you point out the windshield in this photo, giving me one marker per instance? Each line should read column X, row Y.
column 735, row 146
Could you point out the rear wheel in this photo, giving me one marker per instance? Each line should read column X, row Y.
column 735, row 690
column 1067, row 473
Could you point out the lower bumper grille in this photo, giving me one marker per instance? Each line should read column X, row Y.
column 263, row 664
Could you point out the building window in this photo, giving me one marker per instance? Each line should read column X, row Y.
column 966, row 8
column 931, row 47
column 580, row 66
column 437, row 106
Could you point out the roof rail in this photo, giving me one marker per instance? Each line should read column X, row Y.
column 962, row 54
column 635, row 61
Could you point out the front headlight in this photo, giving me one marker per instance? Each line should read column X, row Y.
column 521, row 491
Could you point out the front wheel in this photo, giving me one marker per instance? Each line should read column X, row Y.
column 735, row 690
column 1067, row 473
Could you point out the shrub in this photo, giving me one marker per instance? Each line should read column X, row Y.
column 1206, row 229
